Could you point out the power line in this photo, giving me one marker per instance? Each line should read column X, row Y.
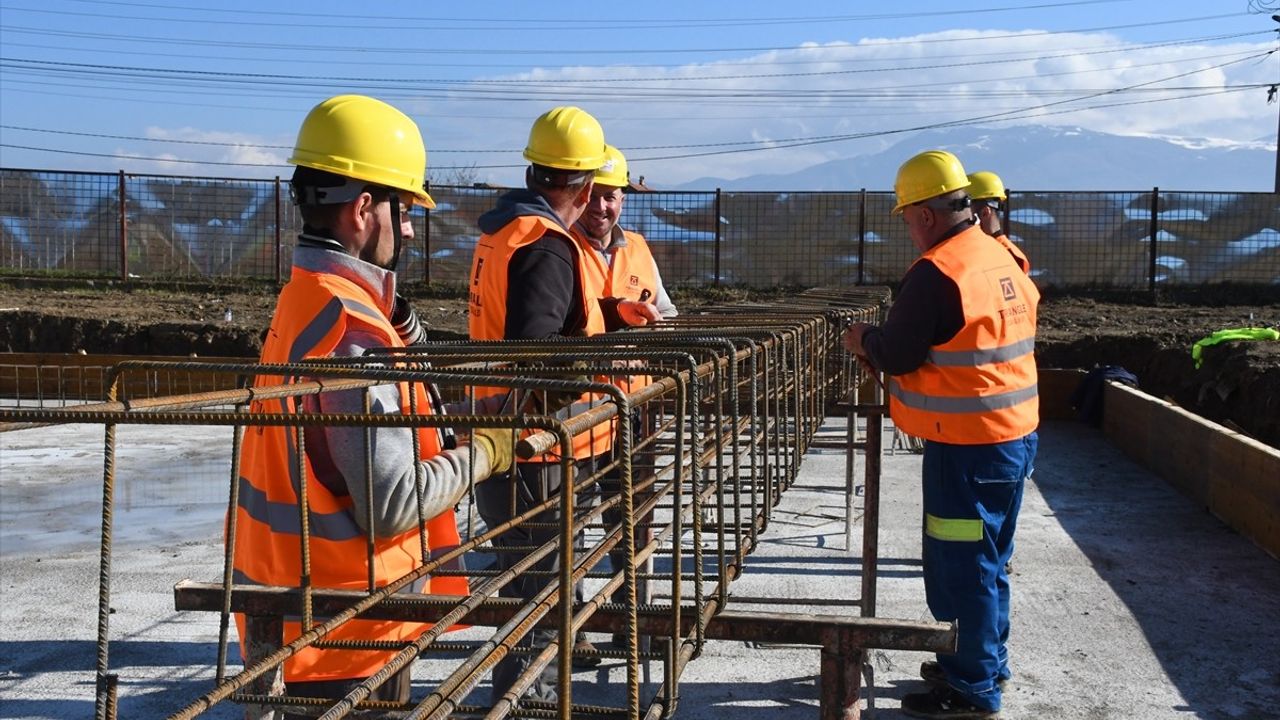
column 920, row 128
column 406, row 22
column 1022, row 113
column 489, row 51
column 1007, row 56
column 480, row 87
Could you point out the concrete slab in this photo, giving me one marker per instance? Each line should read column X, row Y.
column 1129, row 601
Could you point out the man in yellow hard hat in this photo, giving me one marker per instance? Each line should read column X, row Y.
column 989, row 198
column 620, row 263
column 529, row 281
column 360, row 167
column 620, row 257
column 958, row 346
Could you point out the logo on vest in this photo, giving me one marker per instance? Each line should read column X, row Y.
column 635, row 280
column 1006, row 288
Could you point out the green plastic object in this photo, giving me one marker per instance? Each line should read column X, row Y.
column 1232, row 334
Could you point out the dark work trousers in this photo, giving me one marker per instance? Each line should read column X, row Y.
column 498, row 499
column 395, row 690
column 610, row 485
column 972, row 494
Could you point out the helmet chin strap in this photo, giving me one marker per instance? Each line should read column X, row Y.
column 395, row 223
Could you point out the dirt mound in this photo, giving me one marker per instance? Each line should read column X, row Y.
column 1238, row 384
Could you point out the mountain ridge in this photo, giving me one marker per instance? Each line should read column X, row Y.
column 1035, row 157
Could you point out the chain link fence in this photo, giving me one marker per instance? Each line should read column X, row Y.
column 73, row 224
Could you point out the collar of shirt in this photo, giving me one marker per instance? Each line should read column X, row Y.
column 617, row 239
column 320, row 256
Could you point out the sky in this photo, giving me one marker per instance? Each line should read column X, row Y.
column 686, row 90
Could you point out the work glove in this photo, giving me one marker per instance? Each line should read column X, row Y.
column 405, row 321
column 498, row 444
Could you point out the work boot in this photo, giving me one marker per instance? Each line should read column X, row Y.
column 931, row 671
column 944, row 702
column 582, row 645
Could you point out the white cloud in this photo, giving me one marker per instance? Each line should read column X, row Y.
column 879, row 85
column 247, row 151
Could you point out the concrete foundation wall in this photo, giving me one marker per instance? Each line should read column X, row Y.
column 1234, row 477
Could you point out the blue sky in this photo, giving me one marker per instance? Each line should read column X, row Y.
column 686, row 89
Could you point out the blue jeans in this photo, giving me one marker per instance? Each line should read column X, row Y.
column 972, row 494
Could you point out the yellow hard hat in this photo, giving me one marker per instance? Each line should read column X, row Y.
column 928, row 175
column 985, row 185
column 566, row 138
column 360, row 137
column 614, row 172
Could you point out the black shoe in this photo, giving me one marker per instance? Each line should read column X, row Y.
column 590, row 659
column 931, row 671
column 944, row 702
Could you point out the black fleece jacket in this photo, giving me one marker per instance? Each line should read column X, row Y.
column 544, row 299
column 927, row 312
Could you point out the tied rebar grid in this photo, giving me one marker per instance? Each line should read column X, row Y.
column 708, row 415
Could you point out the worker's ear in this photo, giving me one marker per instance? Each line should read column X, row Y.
column 584, row 195
column 360, row 211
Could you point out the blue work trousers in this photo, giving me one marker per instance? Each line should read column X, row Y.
column 972, row 494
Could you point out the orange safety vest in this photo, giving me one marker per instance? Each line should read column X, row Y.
column 632, row 270
column 314, row 312
column 1018, row 256
column 487, row 303
column 979, row 387
column 631, row 273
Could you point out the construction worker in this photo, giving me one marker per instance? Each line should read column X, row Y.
column 623, row 266
column 620, row 257
column 360, row 167
column 957, row 345
column 529, row 281
column 989, row 197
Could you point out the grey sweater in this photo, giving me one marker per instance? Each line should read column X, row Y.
column 338, row 453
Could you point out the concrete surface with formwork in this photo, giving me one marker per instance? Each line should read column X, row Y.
column 1129, row 599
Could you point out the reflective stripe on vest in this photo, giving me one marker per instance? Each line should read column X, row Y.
column 980, row 386
column 978, row 404
column 314, row 312
column 952, row 529
column 974, row 358
column 487, row 304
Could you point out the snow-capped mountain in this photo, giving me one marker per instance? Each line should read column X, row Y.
column 1043, row 158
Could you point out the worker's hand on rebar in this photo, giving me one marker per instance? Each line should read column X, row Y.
column 497, row 444
column 853, row 338
column 638, row 313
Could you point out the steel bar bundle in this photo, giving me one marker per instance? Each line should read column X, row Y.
column 705, row 418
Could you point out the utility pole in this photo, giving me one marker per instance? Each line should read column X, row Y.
column 1271, row 97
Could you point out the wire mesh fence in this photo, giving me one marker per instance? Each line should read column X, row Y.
column 189, row 228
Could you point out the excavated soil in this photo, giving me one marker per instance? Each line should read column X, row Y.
column 1238, row 384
